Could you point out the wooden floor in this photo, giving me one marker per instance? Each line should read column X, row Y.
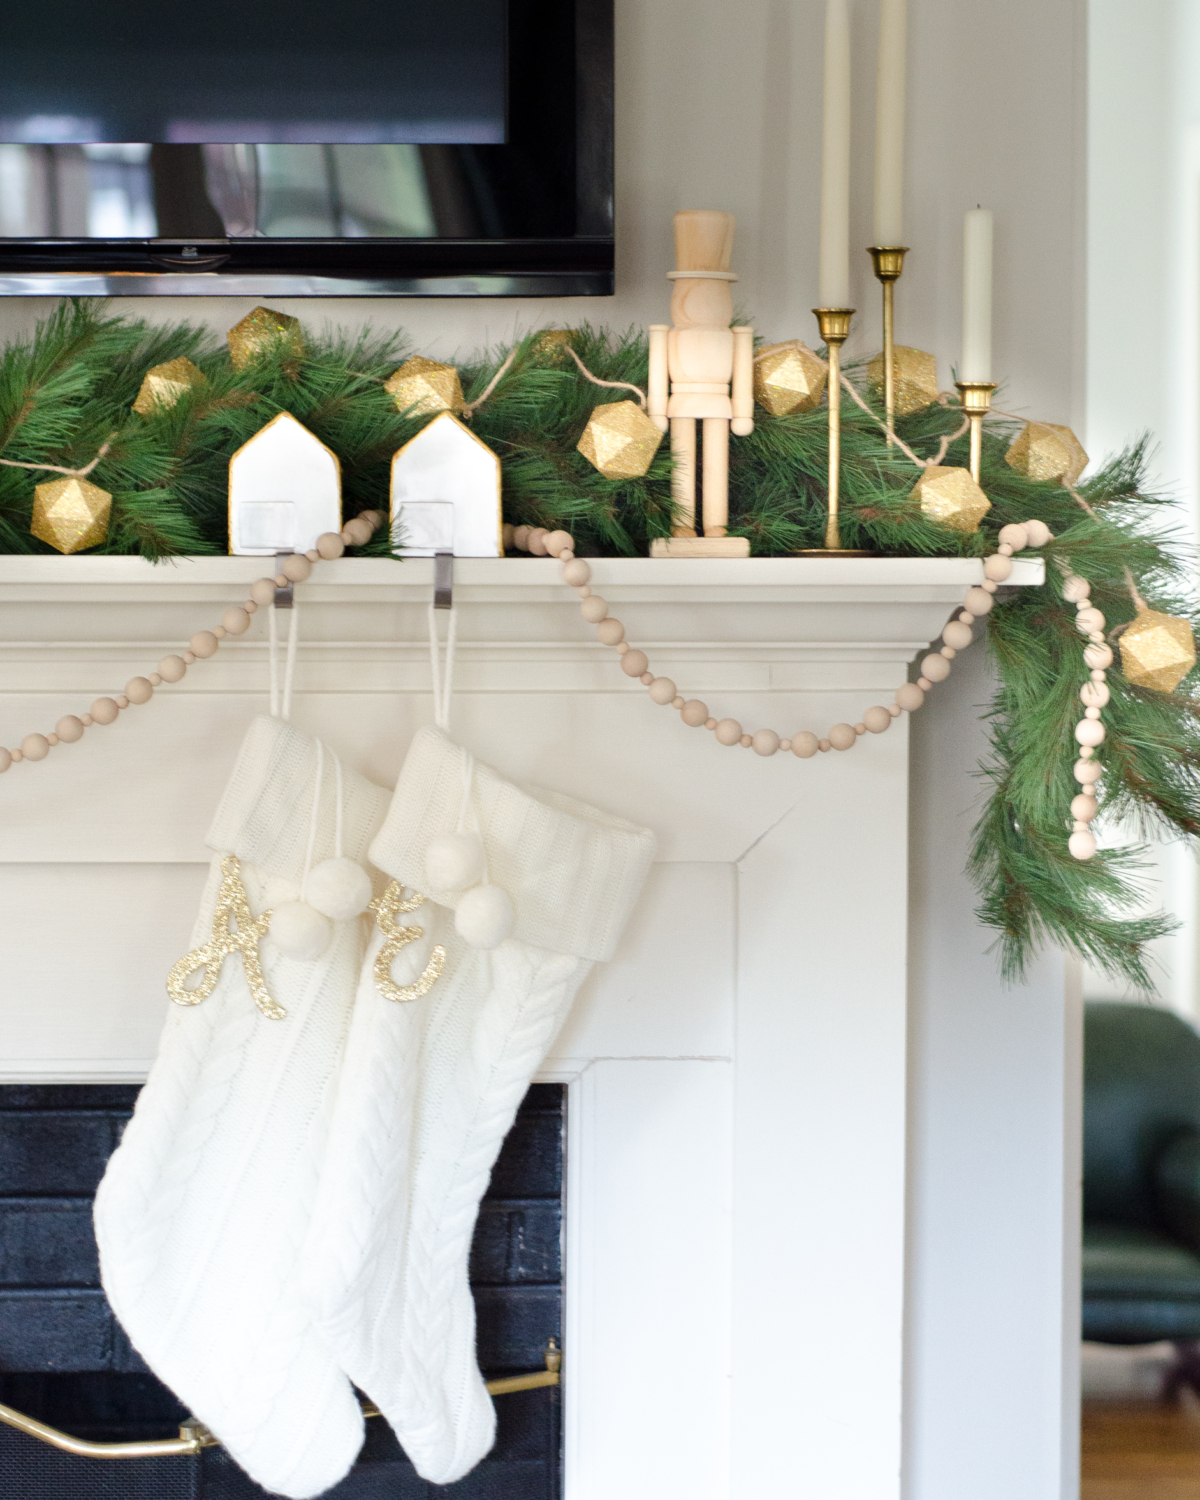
column 1140, row 1450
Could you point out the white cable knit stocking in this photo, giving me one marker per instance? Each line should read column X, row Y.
column 430, row 1086
column 204, row 1207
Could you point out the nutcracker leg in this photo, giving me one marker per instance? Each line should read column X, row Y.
column 683, row 480
column 716, row 476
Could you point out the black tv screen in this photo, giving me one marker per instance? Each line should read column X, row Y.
column 260, row 147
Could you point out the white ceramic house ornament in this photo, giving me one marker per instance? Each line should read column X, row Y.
column 285, row 490
column 446, row 493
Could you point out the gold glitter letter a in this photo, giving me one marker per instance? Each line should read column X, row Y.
column 232, row 905
column 388, row 906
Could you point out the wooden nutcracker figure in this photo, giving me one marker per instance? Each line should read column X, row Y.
column 698, row 358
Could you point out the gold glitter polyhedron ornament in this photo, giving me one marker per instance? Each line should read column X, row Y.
column 260, row 332
column 164, row 384
column 916, row 378
column 232, row 906
column 1044, row 450
column 951, row 497
column 70, row 514
column 423, row 385
column 789, row 378
column 551, row 346
column 620, row 440
column 387, row 907
column 1157, row 650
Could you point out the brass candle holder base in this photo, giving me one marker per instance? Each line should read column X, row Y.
column 976, row 397
column 888, row 261
column 834, row 324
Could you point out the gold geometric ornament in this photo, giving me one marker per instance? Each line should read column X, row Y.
column 423, row 385
column 232, row 906
column 916, row 378
column 261, row 332
column 387, row 907
column 164, row 384
column 1157, row 650
column 552, row 344
column 70, row 514
column 1046, row 451
column 951, row 497
column 620, row 440
column 789, row 378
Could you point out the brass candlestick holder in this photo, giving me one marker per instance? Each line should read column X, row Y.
column 834, row 323
column 888, row 261
column 976, row 397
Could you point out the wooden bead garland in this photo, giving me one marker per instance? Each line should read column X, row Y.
column 203, row 645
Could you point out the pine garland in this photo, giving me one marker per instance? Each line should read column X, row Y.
column 69, row 389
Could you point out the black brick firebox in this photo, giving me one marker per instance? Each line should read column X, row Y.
column 65, row 1360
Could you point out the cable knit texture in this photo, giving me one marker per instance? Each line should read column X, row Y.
column 430, row 1088
column 204, row 1207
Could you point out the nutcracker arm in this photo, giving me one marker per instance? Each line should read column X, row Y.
column 743, row 381
column 656, row 395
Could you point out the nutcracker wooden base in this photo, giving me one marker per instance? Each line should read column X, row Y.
column 700, row 546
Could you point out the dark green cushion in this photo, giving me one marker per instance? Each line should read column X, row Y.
column 1138, row 1286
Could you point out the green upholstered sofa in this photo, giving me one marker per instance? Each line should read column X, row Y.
column 1141, row 1181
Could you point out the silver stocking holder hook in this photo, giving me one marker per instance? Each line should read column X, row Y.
column 443, row 580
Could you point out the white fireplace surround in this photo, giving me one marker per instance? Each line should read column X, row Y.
column 736, row 1236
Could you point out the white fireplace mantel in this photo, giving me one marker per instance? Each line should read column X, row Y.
column 735, row 1247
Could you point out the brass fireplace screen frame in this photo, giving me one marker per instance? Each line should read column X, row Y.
column 194, row 1436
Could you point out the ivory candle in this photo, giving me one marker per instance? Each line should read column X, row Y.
column 889, row 123
column 977, row 296
column 835, row 159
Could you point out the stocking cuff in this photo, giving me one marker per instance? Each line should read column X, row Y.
column 265, row 814
column 573, row 873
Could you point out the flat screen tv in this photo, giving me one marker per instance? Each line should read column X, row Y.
column 306, row 148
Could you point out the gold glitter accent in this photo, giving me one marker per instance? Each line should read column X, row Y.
column 164, row 384
column 388, row 907
column 1157, row 650
column 620, row 440
column 232, row 905
column 552, row 345
column 70, row 514
column 789, row 378
column 951, row 497
column 916, row 378
column 1044, row 450
column 259, row 332
column 423, row 385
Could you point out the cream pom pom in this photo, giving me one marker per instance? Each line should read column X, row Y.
column 484, row 916
column 454, row 861
column 338, row 888
column 300, row 932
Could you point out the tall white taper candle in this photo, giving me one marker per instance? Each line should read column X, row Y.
column 977, row 296
column 889, row 123
column 835, row 159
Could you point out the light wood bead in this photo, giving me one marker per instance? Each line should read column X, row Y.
column 235, row 620
column 1084, row 807
column 621, row 647
column 558, row 541
column 662, row 690
column 593, row 609
column 122, row 701
column 330, row 545
column 35, row 747
column 373, row 518
column 958, row 635
column 677, row 701
column 728, row 732
column 764, row 742
column 1082, row 844
column 281, row 580
column 988, row 586
column 17, row 757
column 1089, row 622
column 909, row 697
column 52, row 740
column 6, row 760
column 313, row 555
column 610, row 632
column 935, row 667
column 1086, row 753
column 693, row 713
column 966, row 617
column 583, row 591
column 69, row 729
column 220, row 632
column 1091, row 712
column 139, row 690
column 1037, row 533
column 357, row 533
column 536, row 541
column 521, row 538
column 86, row 720
column 746, row 741
column 634, row 663
column 204, row 644
column 842, row 736
column 172, row 668
column 894, row 710
column 1015, row 536
column 262, row 591
column 948, row 652
column 1004, row 550
column 924, row 684
column 576, row 572
column 1075, row 589
column 1089, row 732
column 823, row 746
column 877, row 719
column 785, row 745
column 710, row 723
column 249, row 606
column 506, row 536
column 647, row 678
column 978, row 601
column 1087, row 772
column 297, row 567
column 155, row 679
column 1094, row 694
column 997, row 568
